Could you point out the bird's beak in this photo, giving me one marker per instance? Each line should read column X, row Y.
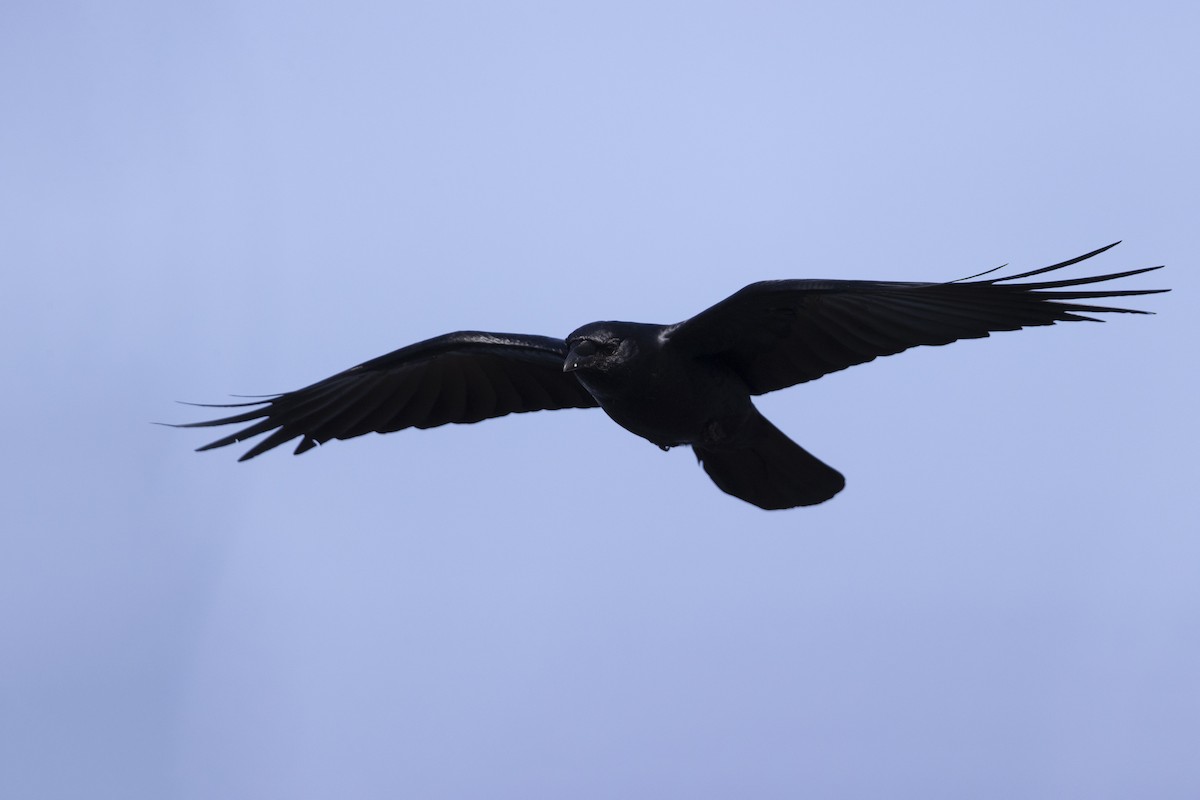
column 579, row 354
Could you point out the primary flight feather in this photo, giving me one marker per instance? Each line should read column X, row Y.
column 684, row 384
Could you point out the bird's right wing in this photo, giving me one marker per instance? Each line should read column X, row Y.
column 780, row 333
column 458, row 377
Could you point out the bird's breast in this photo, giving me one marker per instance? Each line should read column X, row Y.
column 673, row 404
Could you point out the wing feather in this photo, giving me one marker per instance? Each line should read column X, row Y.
column 459, row 377
column 780, row 333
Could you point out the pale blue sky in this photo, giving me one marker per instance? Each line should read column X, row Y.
column 199, row 199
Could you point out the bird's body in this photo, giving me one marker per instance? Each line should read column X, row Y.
column 672, row 397
column 689, row 383
column 667, row 398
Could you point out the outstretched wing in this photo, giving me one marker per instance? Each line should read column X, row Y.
column 459, row 377
column 780, row 333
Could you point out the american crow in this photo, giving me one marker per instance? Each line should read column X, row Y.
column 683, row 384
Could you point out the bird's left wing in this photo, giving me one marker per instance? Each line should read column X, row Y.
column 780, row 333
column 458, row 377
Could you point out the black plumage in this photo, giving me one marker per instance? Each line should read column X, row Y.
column 689, row 383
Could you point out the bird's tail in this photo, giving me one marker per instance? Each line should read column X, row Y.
column 770, row 470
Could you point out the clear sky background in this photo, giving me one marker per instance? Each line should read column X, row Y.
column 200, row 199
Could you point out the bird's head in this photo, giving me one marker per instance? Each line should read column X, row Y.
column 599, row 348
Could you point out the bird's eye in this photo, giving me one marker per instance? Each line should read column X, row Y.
column 612, row 345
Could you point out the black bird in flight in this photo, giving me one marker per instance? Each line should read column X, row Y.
column 689, row 383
